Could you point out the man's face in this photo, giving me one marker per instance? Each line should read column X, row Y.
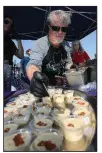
column 57, row 31
column 7, row 24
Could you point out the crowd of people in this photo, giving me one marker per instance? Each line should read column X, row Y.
column 50, row 56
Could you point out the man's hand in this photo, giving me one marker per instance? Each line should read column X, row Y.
column 36, row 84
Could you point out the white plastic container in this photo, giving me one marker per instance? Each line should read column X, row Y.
column 59, row 117
column 10, row 127
column 58, row 100
column 25, row 109
column 7, row 117
column 72, row 129
column 68, row 96
column 69, row 93
column 83, row 114
column 81, row 104
column 44, row 110
column 9, row 144
column 21, row 120
column 53, row 136
column 76, row 77
column 40, row 128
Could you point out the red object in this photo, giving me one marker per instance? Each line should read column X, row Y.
column 18, row 140
column 70, row 125
column 80, row 57
column 76, row 98
column 82, row 114
column 6, row 130
column 41, row 143
column 80, row 102
column 41, row 123
column 48, row 144
column 5, row 111
column 25, row 106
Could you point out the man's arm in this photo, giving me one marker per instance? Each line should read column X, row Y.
column 36, row 59
column 30, row 70
column 20, row 51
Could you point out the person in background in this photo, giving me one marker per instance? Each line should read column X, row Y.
column 95, row 55
column 20, row 81
column 79, row 55
column 10, row 48
column 82, row 59
column 50, row 53
column 23, row 64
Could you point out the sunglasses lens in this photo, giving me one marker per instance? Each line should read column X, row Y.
column 64, row 29
column 6, row 21
column 55, row 28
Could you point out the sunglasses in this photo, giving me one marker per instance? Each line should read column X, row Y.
column 76, row 44
column 6, row 21
column 56, row 28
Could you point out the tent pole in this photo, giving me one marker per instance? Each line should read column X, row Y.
column 39, row 8
column 86, row 30
column 80, row 14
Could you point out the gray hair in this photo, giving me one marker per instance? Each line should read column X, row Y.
column 64, row 16
column 80, row 46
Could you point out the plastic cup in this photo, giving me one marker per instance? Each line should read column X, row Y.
column 54, row 137
column 72, row 129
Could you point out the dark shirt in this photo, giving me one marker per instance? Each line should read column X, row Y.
column 9, row 50
column 54, row 63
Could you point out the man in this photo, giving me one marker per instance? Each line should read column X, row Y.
column 24, row 61
column 50, row 54
column 23, row 64
column 9, row 47
column 95, row 55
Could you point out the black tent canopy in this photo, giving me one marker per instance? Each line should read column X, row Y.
column 30, row 21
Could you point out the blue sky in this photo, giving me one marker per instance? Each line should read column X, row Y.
column 88, row 43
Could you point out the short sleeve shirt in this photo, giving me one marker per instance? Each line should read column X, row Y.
column 80, row 57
